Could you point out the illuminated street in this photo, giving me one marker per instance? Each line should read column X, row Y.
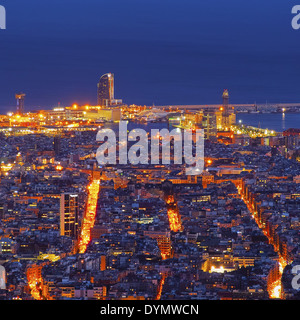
column 173, row 214
column 89, row 217
column 275, row 287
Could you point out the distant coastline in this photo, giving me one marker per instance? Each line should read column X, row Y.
column 273, row 121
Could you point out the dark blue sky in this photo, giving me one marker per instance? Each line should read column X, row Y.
column 161, row 51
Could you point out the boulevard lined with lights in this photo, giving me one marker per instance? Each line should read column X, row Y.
column 161, row 286
column 173, row 214
column 275, row 288
column 90, row 214
column 34, row 277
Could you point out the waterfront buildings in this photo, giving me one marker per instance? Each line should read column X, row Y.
column 225, row 115
column 106, row 91
column 20, row 97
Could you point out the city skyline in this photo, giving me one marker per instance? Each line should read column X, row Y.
column 106, row 98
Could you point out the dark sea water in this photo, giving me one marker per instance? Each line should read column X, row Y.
column 137, row 125
column 161, row 52
column 272, row 121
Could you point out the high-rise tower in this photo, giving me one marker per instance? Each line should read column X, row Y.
column 225, row 97
column 20, row 102
column 57, row 145
column 69, row 211
column 106, row 93
column 225, row 116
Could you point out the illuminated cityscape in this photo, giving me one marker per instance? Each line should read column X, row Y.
column 150, row 158
column 73, row 229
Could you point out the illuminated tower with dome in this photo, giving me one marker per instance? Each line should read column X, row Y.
column 225, row 97
column 225, row 115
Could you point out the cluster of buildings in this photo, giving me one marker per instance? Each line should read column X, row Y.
column 157, row 233
column 71, row 229
column 108, row 109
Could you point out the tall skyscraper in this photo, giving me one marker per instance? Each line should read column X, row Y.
column 225, row 97
column 57, row 145
column 20, row 102
column 106, row 90
column 69, row 211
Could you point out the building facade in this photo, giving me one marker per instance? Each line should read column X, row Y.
column 106, row 90
column 69, row 211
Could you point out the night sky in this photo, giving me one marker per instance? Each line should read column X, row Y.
column 161, row 51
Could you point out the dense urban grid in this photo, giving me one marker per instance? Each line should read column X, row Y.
column 73, row 229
